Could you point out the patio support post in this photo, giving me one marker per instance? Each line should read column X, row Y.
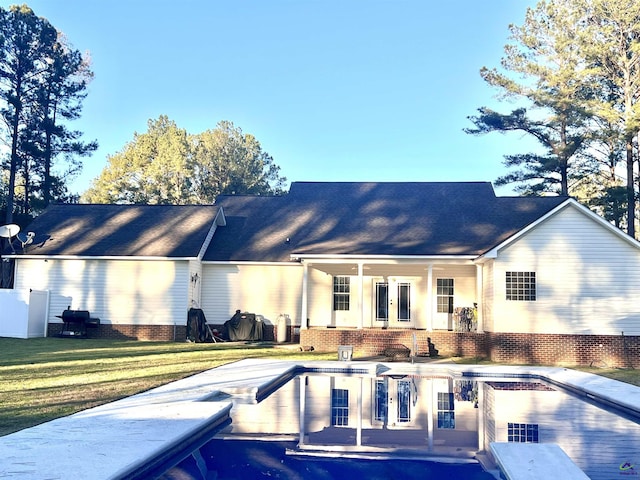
column 360, row 296
column 479, row 286
column 429, row 298
column 305, row 284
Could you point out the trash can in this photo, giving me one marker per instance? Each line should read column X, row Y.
column 345, row 353
column 281, row 329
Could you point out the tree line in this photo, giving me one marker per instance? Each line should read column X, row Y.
column 166, row 165
column 43, row 81
column 573, row 69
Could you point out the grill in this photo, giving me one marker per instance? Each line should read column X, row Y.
column 76, row 323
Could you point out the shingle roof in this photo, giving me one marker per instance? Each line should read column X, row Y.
column 122, row 230
column 388, row 218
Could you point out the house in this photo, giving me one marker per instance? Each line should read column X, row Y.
column 136, row 267
column 450, row 264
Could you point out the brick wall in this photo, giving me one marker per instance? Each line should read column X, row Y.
column 160, row 333
column 598, row 350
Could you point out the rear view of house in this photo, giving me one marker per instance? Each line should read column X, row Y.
column 537, row 279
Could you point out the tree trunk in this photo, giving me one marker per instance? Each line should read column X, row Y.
column 631, row 197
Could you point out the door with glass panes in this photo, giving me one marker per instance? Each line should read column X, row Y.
column 394, row 402
column 393, row 300
column 443, row 316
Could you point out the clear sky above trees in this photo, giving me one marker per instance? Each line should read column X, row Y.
column 333, row 90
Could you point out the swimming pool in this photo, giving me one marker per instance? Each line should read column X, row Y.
column 147, row 435
column 417, row 423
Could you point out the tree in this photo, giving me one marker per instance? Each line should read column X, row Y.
column 610, row 40
column 153, row 168
column 551, row 73
column 26, row 42
column 42, row 85
column 166, row 165
column 60, row 98
column 227, row 161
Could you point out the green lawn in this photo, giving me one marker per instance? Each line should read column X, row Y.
column 46, row 378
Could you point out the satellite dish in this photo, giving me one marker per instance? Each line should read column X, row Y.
column 25, row 239
column 8, row 231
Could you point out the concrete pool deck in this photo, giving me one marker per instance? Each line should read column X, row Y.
column 118, row 439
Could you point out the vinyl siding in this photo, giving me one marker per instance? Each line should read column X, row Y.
column 264, row 289
column 116, row 291
column 586, row 278
column 488, row 286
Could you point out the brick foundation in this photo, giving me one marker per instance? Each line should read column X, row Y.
column 159, row 333
column 546, row 349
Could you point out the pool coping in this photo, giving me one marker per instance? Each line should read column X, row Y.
column 126, row 438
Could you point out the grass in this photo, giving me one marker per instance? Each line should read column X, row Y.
column 46, row 378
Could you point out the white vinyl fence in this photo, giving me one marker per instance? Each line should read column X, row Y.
column 24, row 313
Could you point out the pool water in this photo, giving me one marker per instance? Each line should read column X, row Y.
column 326, row 425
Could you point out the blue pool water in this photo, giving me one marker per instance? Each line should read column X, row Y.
column 326, row 425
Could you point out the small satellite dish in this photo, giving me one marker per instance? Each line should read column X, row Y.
column 25, row 239
column 8, row 231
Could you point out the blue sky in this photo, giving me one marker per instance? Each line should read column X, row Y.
column 334, row 90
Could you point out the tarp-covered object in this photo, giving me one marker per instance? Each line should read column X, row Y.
column 196, row 325
column 243, row 326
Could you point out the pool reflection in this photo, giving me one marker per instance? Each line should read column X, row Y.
column 437, row 416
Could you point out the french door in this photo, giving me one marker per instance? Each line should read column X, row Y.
column 392, row 302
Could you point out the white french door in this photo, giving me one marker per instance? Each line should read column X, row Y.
column 393, row 302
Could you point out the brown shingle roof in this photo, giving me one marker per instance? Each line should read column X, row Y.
column 366, row 218
column 122, row 230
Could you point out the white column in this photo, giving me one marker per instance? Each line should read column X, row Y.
column 303, row 406
column 360, row 305
column 479, row 296
column 305, row 284
column 430, row 298
column 359, row 419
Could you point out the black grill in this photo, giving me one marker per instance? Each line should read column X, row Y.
column 76, row 323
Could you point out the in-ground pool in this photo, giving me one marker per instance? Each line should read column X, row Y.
column 390, row 426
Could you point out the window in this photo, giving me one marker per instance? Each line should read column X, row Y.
column 444, row 293
column 446, row 414
column 339, row 407
column 341, row 290
column 404, row 302
column 382, row 301
column 522, row 432
column 521, row 286
column 404, row 401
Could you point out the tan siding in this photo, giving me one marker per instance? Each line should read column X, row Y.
column 586, row 280
column 267, row 290
column 118, row 292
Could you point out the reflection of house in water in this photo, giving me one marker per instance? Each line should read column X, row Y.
column 439, row 416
